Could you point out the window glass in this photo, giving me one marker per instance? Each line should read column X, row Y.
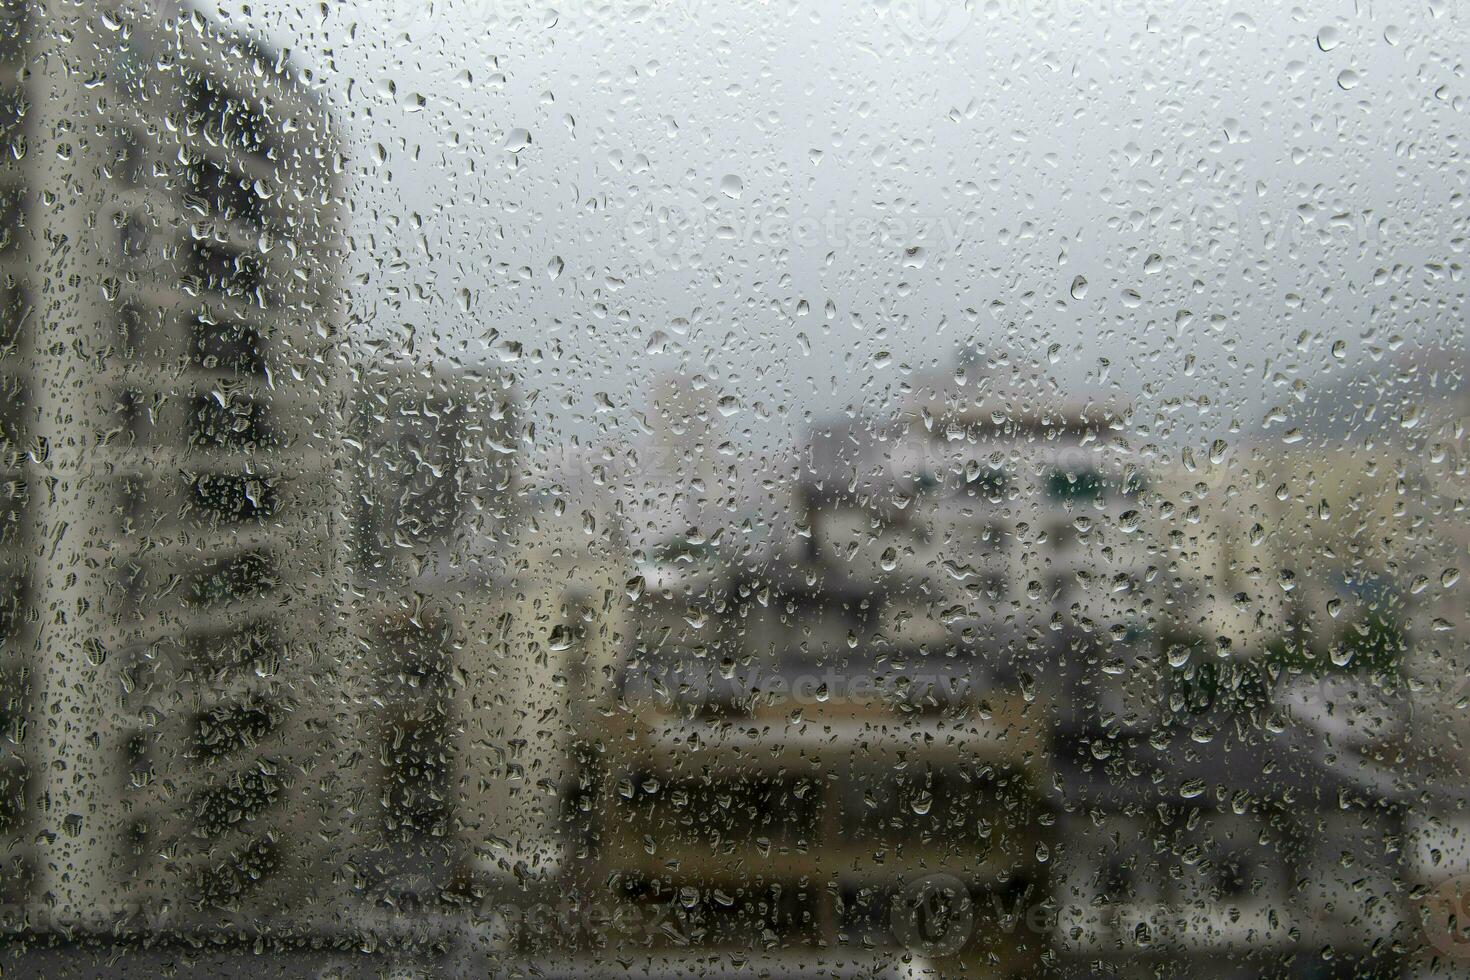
column 734, row 488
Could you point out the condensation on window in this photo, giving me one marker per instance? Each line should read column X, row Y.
column 734, row 488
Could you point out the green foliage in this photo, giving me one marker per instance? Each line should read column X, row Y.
column 1374, row 645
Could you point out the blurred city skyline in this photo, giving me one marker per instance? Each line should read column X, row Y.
column 734, row 489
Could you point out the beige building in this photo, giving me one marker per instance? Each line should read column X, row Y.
column 1376, row 548
column 787, row 755
column 170, row 270
column 540, row 687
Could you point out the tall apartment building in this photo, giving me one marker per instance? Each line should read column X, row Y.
column 170, row 359
column 17, row 630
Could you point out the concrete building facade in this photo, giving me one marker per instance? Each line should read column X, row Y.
column 171, row 252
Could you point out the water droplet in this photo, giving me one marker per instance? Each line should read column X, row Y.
column 517, row 140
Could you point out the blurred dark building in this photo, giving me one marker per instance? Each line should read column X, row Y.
column 434, row 479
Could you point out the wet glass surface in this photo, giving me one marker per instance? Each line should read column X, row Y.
column 734, row 488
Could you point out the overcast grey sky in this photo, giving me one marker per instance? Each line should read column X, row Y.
column 809, row 202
